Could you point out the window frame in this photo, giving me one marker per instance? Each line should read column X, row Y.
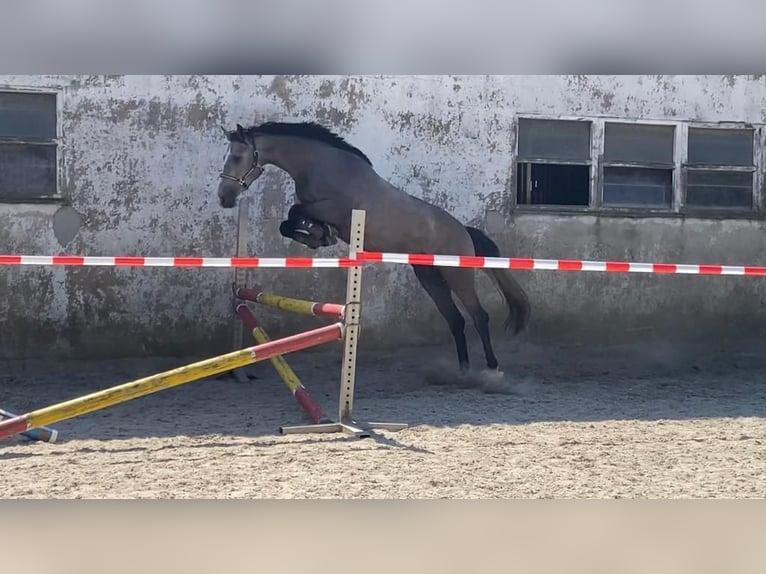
column 678, row 207
column 515, row 205
column 603, row 164
column 756, row 169
column 57, row 142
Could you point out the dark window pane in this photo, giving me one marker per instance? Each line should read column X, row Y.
column 554, row 139
column 638, row 143
column 550, row 184
column 27, row 171
column 711, row 146
column 638, row 187
column 721, row 189
column 27, row 116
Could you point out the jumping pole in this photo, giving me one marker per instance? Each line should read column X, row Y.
column 45, row 434
column 301, row 306
column 288, row 376
column 175, row 377
column 352, row 316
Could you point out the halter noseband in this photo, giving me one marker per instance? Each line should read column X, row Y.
column 243, row 180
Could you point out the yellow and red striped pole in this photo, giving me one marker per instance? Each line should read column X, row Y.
column 302, row 306
column 179, row 376
column 288, row 376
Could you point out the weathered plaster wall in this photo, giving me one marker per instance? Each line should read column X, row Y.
column 140, row 162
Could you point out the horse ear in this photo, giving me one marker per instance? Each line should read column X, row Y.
column 240, row 129
column 225, row 132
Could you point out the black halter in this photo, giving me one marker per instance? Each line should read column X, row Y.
column 243, row 181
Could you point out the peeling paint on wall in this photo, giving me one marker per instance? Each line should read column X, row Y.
column 142, row 155
column 67, row 222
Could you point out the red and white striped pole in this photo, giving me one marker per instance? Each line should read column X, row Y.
column 513, row 263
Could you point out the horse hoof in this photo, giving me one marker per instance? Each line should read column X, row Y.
column 494, row 374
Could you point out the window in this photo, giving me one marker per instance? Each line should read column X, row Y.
column 720, row 168
column 622, row 164
column 553, row 162
column 28, row 146
column 638, row 165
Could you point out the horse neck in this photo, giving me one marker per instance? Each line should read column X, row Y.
column 319, row 171
column 294, row 155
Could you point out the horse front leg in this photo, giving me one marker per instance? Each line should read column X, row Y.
column 298, row 233
column 334, row 214
column 305, row 226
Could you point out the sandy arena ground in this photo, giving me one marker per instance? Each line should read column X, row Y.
column 565, row 425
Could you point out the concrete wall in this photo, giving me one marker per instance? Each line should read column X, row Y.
column 140, row 159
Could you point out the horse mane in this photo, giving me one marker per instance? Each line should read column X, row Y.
column 306, row 130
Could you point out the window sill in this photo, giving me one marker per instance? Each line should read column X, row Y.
column 50, row 200
column 639, row 213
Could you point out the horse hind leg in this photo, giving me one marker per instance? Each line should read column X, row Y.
column 439, row 291
column 462, row 283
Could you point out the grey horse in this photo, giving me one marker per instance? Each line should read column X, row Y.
column 333, row 177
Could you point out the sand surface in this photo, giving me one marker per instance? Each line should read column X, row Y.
column 564, row 423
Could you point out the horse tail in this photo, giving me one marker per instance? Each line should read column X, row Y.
column 515, row 297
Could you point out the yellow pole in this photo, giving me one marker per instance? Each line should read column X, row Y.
column 290, row 304
column 288, row 376
column 138, row 388
column 286, row 303
column 179, row 376
column 284, row 370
